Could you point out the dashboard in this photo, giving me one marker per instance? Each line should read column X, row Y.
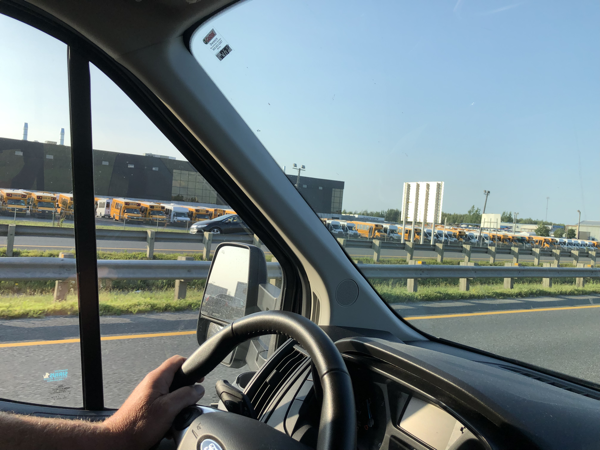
column 417, row 398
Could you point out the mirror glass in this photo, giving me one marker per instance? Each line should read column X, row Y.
column 227, row 285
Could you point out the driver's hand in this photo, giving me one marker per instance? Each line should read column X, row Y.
column 149, row 411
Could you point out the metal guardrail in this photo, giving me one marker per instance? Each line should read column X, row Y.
column 392, row 271
column 148, row 236
column 63, row 269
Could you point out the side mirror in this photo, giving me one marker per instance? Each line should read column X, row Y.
column 232, row 291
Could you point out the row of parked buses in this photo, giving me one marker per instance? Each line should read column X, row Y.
column 46, row 205
column 393, row 232
column 36, row 204
column 135, row 211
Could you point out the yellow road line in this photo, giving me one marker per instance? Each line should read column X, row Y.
column 104, row 338
column 493, row 313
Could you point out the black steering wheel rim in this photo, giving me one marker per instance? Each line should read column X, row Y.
column 337, row 427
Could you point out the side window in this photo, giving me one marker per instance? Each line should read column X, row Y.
column 148, row 313
column 39, row 327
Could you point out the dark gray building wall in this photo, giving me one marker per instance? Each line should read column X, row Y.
column 324, row 196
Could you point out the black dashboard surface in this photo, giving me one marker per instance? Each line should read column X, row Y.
column 492, row 407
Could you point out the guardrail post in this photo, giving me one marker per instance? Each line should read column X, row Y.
column 256, row 241
column 412, row 284
column 536, row 256
column 376, row 246
column 556, row 255
column 150, row 244
column 547, row 282
column 592, row 255
column 575, row 254
column 207, row 241
column 492, row 253
column 509, row 283
column 464, row 283
column 181, row 285
column 62, row 287
column 342, row 242
column 467, row 253
column 514, row 251
column 410, row 251
column 439, row 249
column 277, row 282
column 580, row 282
column 10, row 240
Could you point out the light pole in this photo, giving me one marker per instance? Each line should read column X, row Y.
column 578, row 223
column 299, row 169
column 486, row 193
column 547, row 200
column 515, row 222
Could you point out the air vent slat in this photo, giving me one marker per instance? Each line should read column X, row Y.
column 275, row 381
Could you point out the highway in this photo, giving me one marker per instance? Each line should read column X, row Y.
column 561, row 334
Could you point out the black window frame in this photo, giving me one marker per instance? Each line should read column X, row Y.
column 82, row 52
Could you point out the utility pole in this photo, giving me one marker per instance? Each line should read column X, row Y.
column 578, row 223
column 486, row 193
column 515, row 222
column 299, row 169
column 547, row 200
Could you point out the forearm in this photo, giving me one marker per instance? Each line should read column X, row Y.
column 29, row 432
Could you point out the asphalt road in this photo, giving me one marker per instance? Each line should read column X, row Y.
column 561, row 334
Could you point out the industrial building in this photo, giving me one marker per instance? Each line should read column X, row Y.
column 44, row 167
column 588, row 229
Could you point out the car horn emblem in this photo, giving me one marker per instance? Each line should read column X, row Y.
column 209, row 444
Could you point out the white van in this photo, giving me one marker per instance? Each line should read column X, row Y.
column 178, row 215
column 103, row 209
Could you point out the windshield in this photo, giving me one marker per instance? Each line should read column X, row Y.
column 351, row 227
column 335, row 226
column 412, row 82
column 180, row 214
column 157, row 213
column 132, row 211
column 16, row 202
column 45, row 204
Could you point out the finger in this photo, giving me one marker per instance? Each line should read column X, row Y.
column 166, row 371
column 182, row 397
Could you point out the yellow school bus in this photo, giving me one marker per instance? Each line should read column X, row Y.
column 42, row 204
column 200, row 214
column 13, row 201
column 153, row 213
column 230, row 211
column 218, row 212
column 65, row 205
column 369, row 230
column 126, row 210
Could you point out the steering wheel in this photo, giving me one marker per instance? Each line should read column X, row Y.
column 337, row 427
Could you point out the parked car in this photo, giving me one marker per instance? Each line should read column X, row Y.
column 227, row 224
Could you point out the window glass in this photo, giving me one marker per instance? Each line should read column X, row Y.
column 39, row 326
column 428, row 115
column 147, row 319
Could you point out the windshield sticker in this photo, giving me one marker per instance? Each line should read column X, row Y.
column 57, row 375
column 217, row 44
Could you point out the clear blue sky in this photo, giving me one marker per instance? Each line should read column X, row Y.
column 479, row 94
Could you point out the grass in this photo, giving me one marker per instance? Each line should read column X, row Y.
column 111, row 303
column 35, row 298
column 131, row 227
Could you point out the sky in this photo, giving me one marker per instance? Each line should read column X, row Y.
column 483, row 95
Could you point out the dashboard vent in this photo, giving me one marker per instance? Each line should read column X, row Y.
column 557, row 382
column 274, row 382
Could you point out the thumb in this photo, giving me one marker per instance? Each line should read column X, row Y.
column 182, row 397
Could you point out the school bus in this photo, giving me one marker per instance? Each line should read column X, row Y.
column 370, row 230
column 199, row 214
column 13, row 201
column 153, row 213
column 217, row 212
column 65, row 205
column 230, row 211
column 42, row 204
column 126, row 210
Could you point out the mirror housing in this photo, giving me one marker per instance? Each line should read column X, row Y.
column 232, row 291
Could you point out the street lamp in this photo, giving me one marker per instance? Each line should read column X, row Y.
column 547, row 200
column 578, row 223
column 486, row 193
column 299, row 169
